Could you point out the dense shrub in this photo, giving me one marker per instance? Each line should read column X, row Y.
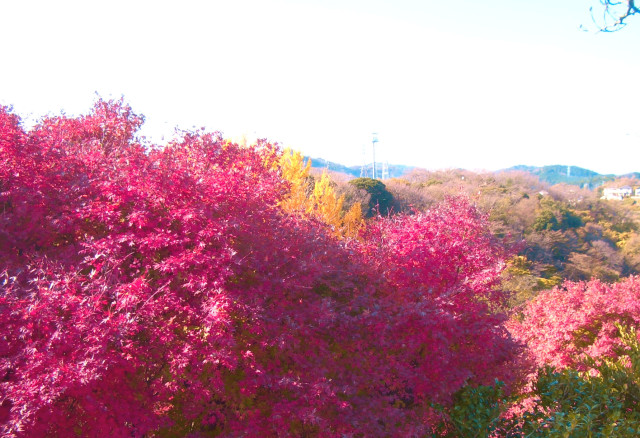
column 577, row 320
column 380, row 199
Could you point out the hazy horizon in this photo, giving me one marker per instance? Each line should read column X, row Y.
column 444, row 84
column 476, row 170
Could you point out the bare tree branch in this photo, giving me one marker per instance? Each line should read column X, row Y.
column 615, row 14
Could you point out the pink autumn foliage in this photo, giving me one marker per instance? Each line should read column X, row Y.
column 577, row 320
column 149, row 291
column 441, row 269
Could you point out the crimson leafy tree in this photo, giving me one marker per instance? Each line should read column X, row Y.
column 163, row 291
column 578, row 320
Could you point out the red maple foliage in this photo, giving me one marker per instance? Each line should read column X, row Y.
column 162, row 291
column 564, row 326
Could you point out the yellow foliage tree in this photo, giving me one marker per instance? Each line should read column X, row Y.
column 296, row 171
column 352, row 221
column 325, row 205
column 322, row 202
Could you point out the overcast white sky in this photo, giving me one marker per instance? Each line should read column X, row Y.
column 466, row 83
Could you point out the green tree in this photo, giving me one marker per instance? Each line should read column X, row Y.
column 604, row 402
column 381, row 199
column 554, row 215
column 601, row 403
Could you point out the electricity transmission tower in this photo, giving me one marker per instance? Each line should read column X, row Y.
column 373, row 142
column 364, row 170
column 385, row 170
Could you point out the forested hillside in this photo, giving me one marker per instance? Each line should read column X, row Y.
column 561, row 231
column 206, row 288
column 565, row 174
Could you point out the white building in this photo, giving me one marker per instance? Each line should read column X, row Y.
column 617, row 193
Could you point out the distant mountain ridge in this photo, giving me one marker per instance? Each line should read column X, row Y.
column 574, row 175
column 553, row 174
column 395, row 170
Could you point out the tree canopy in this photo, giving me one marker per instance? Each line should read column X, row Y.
column 172, row 291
